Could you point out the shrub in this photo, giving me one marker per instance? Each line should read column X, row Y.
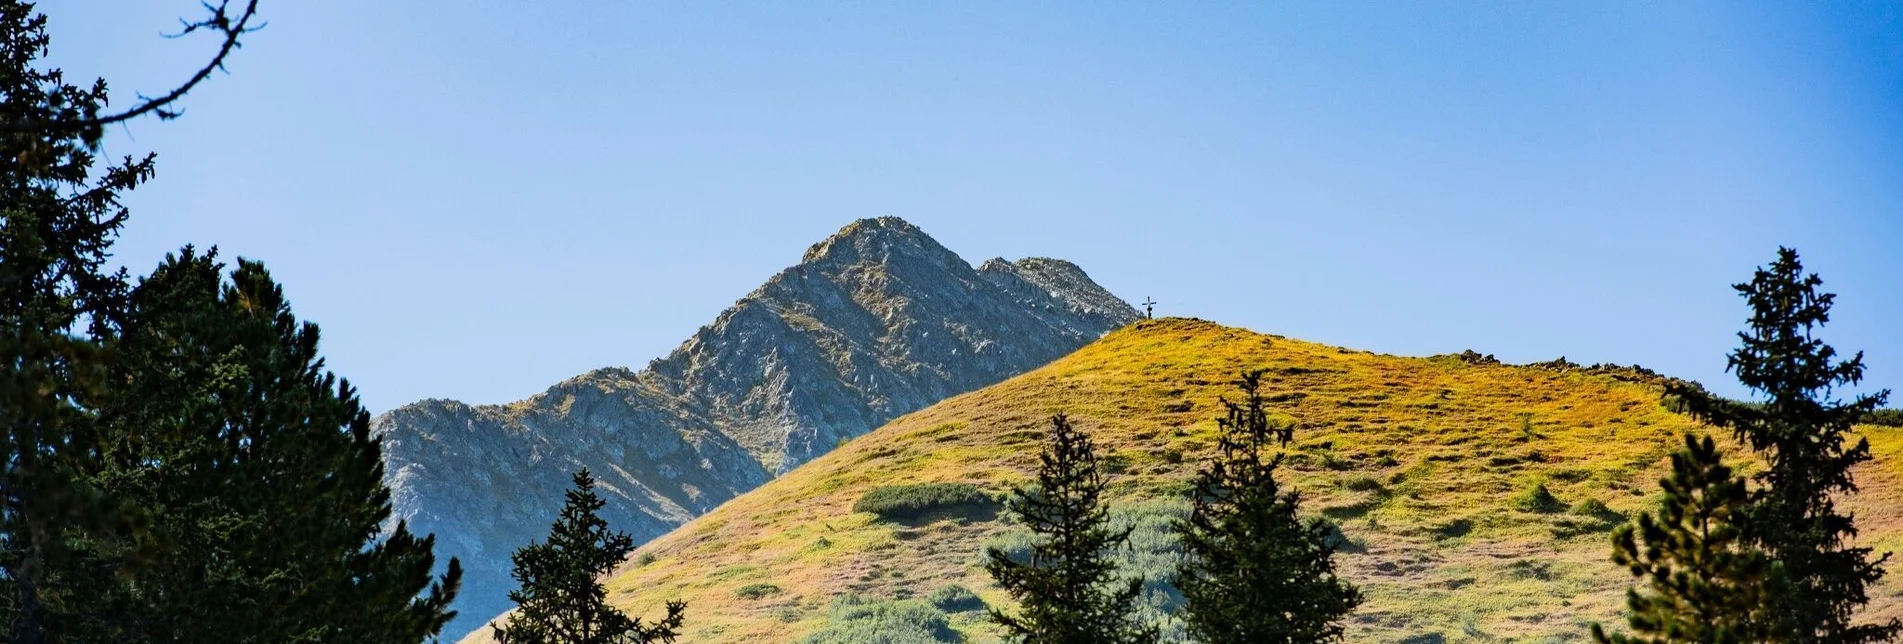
column 1592, row 508
column 855, row 619
column 1538, row 499
column 911, row 501
column 956, row 599
column 1361, row 483
column 756, row 591
column 1884, row 417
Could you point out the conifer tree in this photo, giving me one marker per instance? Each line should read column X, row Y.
column 1253, row 571
column 59, row 214
column 1799, row 428
column 1068, row 592
column 262, row 484
column 561, row 599
column 1703, row 583
column 58, row 217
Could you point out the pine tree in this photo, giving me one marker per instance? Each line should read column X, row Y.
column 1704, row 584
column 262, row 484
column 58, row 216
column 1069, row 591
column 1799, row 429
column 561, row 600
column 1253, row 571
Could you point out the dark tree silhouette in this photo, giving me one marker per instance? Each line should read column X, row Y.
column 1800, row 430
column 1069, row 591
column 262, row 485
column 1703, row 583
column 179, row 467
column 560, row 599
column 1253, row 571
column 57, row 299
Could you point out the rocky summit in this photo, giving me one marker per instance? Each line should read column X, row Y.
column 877, row 321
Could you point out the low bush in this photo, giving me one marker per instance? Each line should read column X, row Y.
column 912, row 501
column 1538, row 499
column 956, row 599
column 1593, row 508
column 855, row 619
column 756, row 591
column 1361, row 483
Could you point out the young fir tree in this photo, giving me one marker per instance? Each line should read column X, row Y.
column 1704, row 584
column 1069, row 591
column 1253, row 571
column 261, row 482
column 561, row 600
column 1799, row 428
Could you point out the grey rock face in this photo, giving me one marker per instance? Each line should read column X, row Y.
column 876, row 321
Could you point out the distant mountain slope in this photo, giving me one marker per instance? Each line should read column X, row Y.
column 876, row 321
column 1423, row 462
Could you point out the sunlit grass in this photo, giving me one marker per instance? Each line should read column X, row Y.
column 1426, row 464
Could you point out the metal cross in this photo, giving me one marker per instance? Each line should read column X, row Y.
column 1149, row 309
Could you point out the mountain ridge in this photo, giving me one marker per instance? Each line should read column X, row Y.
column 877, row 320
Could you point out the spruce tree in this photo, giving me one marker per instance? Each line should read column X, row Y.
column 59, row 214
column 1703, row 582
column 1068, row 592
column 561, row 599
column 1799, row 427
column 1253, row 571
column 262, row 484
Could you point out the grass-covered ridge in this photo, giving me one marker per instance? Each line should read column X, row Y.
column 1431, row 466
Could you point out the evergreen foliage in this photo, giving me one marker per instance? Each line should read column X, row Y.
column 1068, row 590
column 58, row 217
column 1253, row 570
column 1703, row 582
column 561, row 599
column 1800, row 428
column 261, row 483
column 179, row 465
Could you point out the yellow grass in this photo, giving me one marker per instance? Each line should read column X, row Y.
column 1446, row 551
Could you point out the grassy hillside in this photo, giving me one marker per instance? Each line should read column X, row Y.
column 1426, row 463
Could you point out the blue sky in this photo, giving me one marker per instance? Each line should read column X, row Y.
column 476, row 199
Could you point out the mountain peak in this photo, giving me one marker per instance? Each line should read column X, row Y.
column 879, row 320
column 878, row 236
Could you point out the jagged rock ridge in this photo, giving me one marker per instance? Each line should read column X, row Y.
column 876, row 321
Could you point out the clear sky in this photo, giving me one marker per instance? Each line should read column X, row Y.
column 478, row 198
